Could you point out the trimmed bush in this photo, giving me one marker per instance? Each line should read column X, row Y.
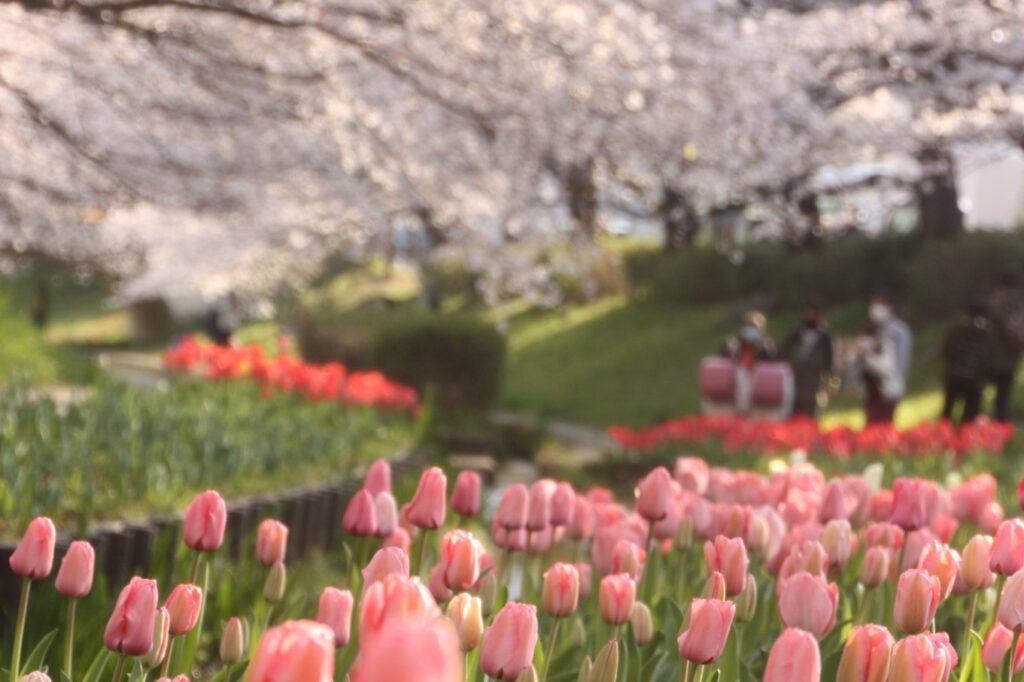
column 691, row 276
column 461, row 358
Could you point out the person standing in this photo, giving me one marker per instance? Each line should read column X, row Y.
column 967, row 352
column 887, row 361
column 809, row 351
column 746, row 348
column 1006, row 307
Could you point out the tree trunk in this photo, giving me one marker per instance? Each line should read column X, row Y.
column 937, row 198
column 582, row 196
column 678, row 218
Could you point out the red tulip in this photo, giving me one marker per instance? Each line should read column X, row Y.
column 867, row 655
column 508, row 645
column 1011, row 606
column 460, row 559
column 917, row 597
column 183, row 606
column 616, row 596
column 429, row 504
column 271, row 542
column 538, row 516
column 1008, row 548
column 378, row 478
column 563, row 505
column 130, row 628
column 922, row 658
column 297, row 651
column 974, row 569
column 709, row 623
column 386, row 561
column 335, row 612
column 205, row 520
column 654, row 495
column 360, row 517
column 728, row 557
column 74, row 579
column 561, row 590
column 794, row 658
column 466, row 494
column 809, row 603
column 425, row 652
column 512, row 510
column 33, row 557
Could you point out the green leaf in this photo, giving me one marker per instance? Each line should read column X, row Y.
column 98, row 667
column 35, row 659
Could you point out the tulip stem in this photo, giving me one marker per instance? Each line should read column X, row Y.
column 551, row 649
column 1011, row 655
column 738, row 641
column 119, row 669
column 964, row 651
column 19, row 632
column 69, row 638
column 686, row 671
column 419, row 552
column 863, row 606
column 700, row 673
column 167, row 658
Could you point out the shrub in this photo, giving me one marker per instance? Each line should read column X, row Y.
column 461, row 358
column 692, row 276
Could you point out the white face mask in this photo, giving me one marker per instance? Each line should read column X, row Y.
column 879, row 313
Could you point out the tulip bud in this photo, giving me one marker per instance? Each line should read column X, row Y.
column 335, row 611
column 628, row 557
column 33, row 557
column 161, row 640
column 837, row 539
column 206, row 517
column 460, row 559
column 563, row 505
column 378, row 478
column 528, row 675
column 466, row 612
column 684, row 534
column 585, row 669
column 922, row 657
column 917, row 598
column 942, row 562
column 758, row 533
column 866, row 655
column 512, row 510
column 746, row 601
column 74, row 579
column 728, row 556
column 606, row 665
column 561, row 590
column 508, row 645
column 37, row 676
column 400, row 539
column 642, row 623
column 430, row 503
column 466, row 494
column 794, row 651
column 386, row 509
column 360, row 518
column 487, row 590
column 271, row 542
column 277, row 580
column 183, row 606
column 616, row 596
column 293, row 651
column 714, row 588
column 385, row 561
column 875, row 568
column 232, row 643
column 706, row 631
column 654, row 495
column 974, row 569
column 132, row 623
column 1008, row 548
column 808, row 602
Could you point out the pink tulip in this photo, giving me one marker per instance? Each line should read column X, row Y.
column 386, row 509
column 884, row 535
column 297, row 651
column 271, row 542
column 561, row 590
column 563, row 505
column 508, row 645
column 835, row 505
column 466, row 494
column 709, row 623
column 809, row 603
column 997, row 644
column 586, row 578
column 335, row 612
column 33, row 557
column 692, row 474
column 1011, row 606
column 914, row 546
column 512, row 509
column 538, row 516
column 460, row 559
column 922, row 658
column 867, row 655
column 794, row 658
column 583, row 522
column 628, row 558
column 875, row 568
column 838, row 541
column 728, row 557
column 183, row 606
column 880, row 505
column 378, row 478
column 400, row 539
column 131, row 626
column 944, row 527
column 74, row 579
column 991, row 516
column 942, row 562
column 541, row 541
column 424, row 652
column 435, row 583
column 912, row 504
column 616, row 596
column 430, row 503
column 974, row 569
column 654, row 495
column 360, row 517
column 386, row 561
column 1008, row 548
column 917, row 597
column 205, row 520
column 394, row 596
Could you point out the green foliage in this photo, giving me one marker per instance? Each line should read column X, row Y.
column 462, row 358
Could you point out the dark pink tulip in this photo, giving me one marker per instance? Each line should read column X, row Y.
column 183, row 606
column 335, row 612
column 508, row 645
column 205, row 520
column 429, row 504
column 914, row 502
column 74, row 579
column 512, row 510
column 297, row 651
column 466, row 494
column 378, row 478
column 132, row 624
column 33, row 557
column 271, row 542
column 360, row 517
column 794, row 658
column 709, row 624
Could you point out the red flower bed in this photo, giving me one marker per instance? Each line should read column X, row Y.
column 332, row 381
column 738, row 434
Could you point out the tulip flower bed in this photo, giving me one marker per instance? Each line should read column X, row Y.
column 707, row 574
column 329, row 382
column 737, row 434
column 123, row 452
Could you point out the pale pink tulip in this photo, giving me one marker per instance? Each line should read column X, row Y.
column 424, row 652
column 508, row 645
column 867, row 655
column 74, row 578
column 709, row 623
column 335, row 611
column 430, row 503
column 33, row 557
column 917, row 597
column 974, row 569
column 297, row 651
column 1008, row 548
column 809, row 602
column 205, row 520
column 922, row 658
column 271, row 542
column 386, row 561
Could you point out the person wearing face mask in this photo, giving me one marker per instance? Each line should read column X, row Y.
column 889, row 361
column 749, row 346
column 809, row 351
